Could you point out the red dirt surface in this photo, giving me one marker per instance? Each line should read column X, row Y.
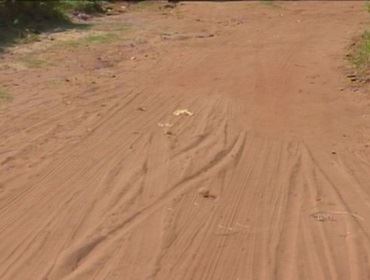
column 264, row 175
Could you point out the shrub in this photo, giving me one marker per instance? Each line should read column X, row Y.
column 23, row 12
column 15, row 12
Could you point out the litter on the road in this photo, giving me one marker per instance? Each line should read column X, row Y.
column 185, row 112
column 165, row 124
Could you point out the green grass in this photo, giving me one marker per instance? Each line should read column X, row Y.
column 30, row 38
column 80, row 6
column 142, row 5
column 367, row 5
column 270, row 3
column 70, row 43
column 22, row 21
column 4, row 96
column 101, row 38
column 33, row 62
column 361, row 53
column 93, row 39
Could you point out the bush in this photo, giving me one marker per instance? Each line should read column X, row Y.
column 86, row 6
column 361, row 54
column 24, row 19
column 23, row 12
column 15, row 12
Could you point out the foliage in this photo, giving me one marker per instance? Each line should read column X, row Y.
column 4, row 96
column 25, row 12
column 25, row 19
column 17, row 13
column 361, row 54
column 86, row 6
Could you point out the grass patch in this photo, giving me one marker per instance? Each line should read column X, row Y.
column 71, row 43
column 94, row 39
column 142, row 5
column 84, row 6
column 101, row 38
column 269, row 3
column 20, row 34
column 22, row 21
column 33, row 62
column 27, row 14
column 360, row 56
column 4, row 96
column 367, row 5
column 30, row 38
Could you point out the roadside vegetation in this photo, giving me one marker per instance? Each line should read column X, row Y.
column 4, row 96
column 361, row 54
column 24, row 20
column 25, row 12
column 270, row 3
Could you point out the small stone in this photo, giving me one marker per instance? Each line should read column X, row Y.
column 323, row 217
column 204, row 192
column 122, row 9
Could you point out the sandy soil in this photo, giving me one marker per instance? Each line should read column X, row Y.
column 264, row 175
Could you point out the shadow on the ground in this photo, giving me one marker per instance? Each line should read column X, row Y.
column 9, row 35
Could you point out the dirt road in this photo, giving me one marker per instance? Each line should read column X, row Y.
column 265, row 176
